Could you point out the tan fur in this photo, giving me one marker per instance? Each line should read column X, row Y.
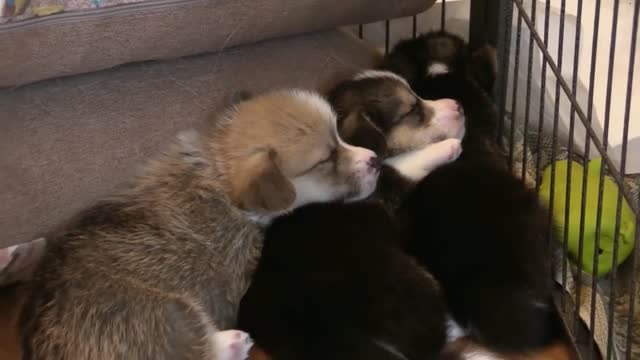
column 556, row 351
column 258, row 354
column 154, row 271
column 259, row 184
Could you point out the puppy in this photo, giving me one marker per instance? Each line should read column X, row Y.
column 157, row 271
column 378, row 110
column 478, row 229
column 333, row 281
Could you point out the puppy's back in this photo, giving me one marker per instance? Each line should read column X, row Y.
column 125, row 280
column 483, row 236
column 87, row 303
column 478, row 228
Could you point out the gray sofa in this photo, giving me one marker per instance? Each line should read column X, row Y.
column 86, row 96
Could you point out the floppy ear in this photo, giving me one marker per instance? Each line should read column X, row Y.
column 257, row 184
column 357, row 129
column 399, row 63
column 484, row 67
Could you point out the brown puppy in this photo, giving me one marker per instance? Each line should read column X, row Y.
column 157, row 271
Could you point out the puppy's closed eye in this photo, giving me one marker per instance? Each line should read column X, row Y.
column 333, row 154
column 413, row 110
column 329, row 159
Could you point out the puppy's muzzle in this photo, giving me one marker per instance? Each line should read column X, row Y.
column 448, row 116
column 448, row 108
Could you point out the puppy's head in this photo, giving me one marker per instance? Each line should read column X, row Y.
column 379, row 111
column 282, row 150
column 441, row 54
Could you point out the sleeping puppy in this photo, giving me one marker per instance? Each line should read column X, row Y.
column 378, row 110
column 333, row 281
column 477, row 228
column 157, row 271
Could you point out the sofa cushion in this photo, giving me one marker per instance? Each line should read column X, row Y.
column 82, row 41
column 66, row 142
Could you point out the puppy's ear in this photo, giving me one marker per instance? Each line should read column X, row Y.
column 399, row 63
column 357, row 129
column 484, row 67
column 257, row 184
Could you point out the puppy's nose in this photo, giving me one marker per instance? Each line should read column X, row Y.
column 375, row 163
column 449, row 104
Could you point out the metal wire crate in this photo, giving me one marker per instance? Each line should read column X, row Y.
column 539, row 47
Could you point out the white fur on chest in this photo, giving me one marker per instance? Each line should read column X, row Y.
column 437, row 68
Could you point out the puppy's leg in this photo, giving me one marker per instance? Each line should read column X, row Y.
column 417, row 164
column 232, row 345
column 110, row 321
column 409, row 318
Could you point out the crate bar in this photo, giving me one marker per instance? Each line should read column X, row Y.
column 607, row 118
column 361, row 31
column 572, row 121
column 525, row 140
column 594, row 47
column 387, row 25
column 627, row 113
column 554, row 139
column 581, row 115
column 594, row 51
column 482, row 15
column 503, row 42
column 414, row 29
column 514, row 91
column 543, row 85
column 443, row 15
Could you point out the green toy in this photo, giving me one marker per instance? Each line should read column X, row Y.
column 608, row 222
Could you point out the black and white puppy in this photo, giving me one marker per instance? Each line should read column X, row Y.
column 477, row 228
column 333, row 281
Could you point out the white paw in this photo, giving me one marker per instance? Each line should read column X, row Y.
column 415, row 165
column 232, row 345
column 454, row 331
column 447, row 150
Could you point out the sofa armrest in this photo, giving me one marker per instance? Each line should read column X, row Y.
column 84, row 41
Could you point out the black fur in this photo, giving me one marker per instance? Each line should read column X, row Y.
column 411, row 58
column 332, row 282
column 476, row 227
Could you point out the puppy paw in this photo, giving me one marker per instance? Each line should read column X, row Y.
column 232, row 345
column 415, row 165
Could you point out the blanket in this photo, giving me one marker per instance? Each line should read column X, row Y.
column 16, row 10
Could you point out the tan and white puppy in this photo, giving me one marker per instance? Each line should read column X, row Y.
column 157, row 270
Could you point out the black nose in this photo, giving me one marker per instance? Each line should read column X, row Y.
column 375, row 163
